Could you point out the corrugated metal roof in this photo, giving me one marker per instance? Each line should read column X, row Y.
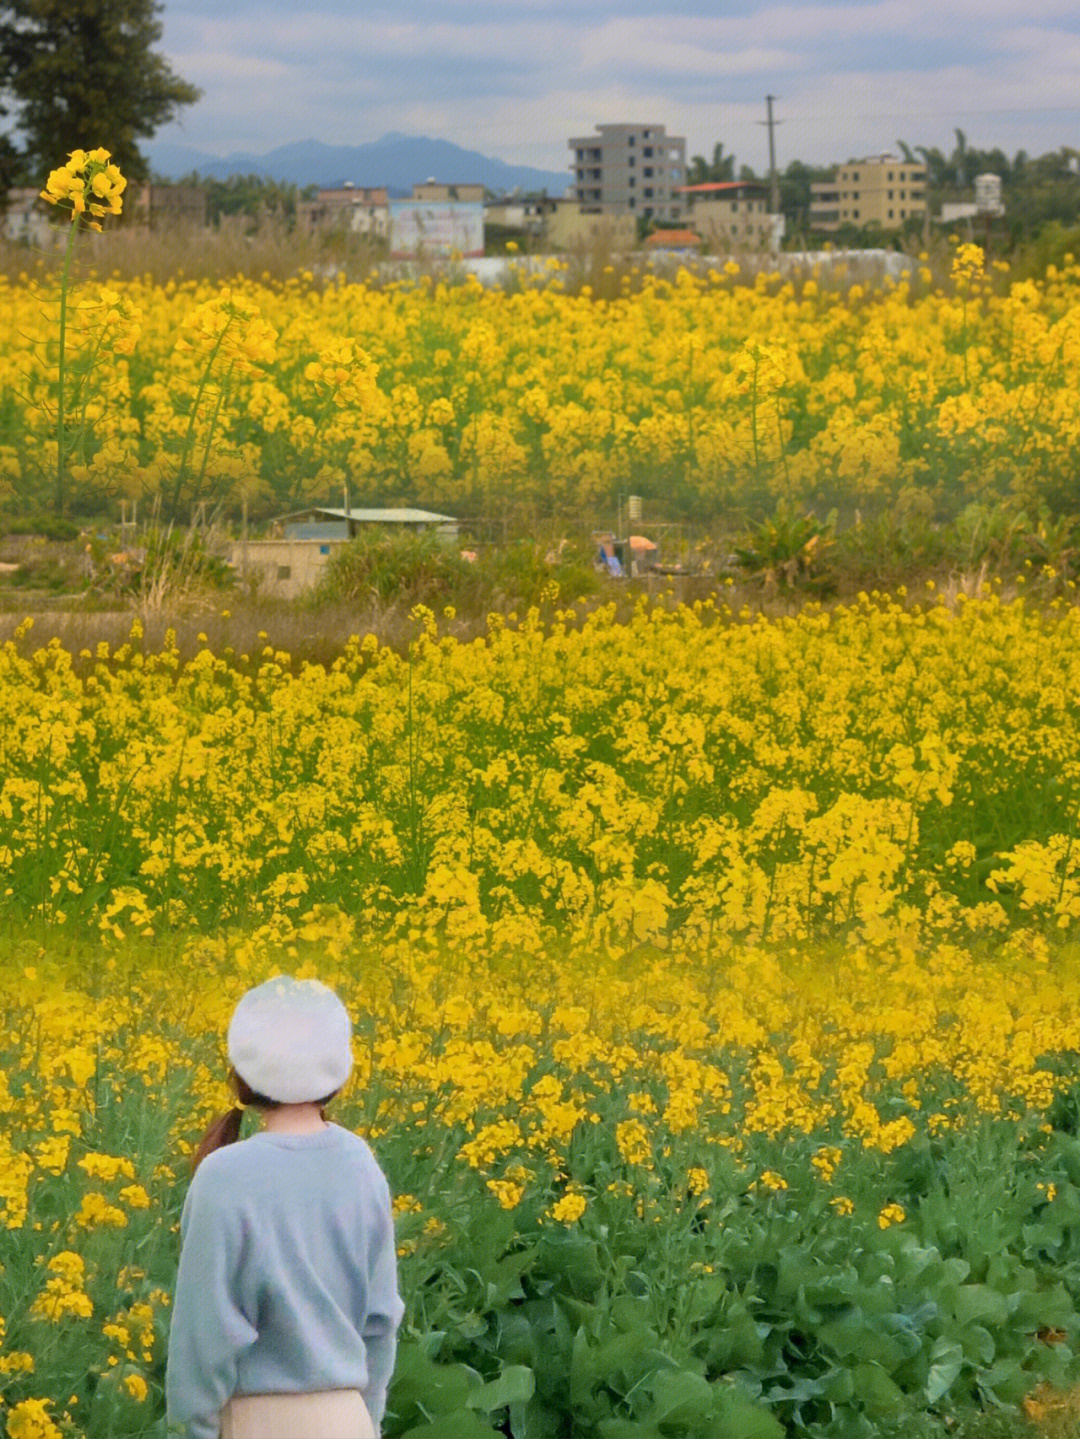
column 715, row 187
column 402, row 516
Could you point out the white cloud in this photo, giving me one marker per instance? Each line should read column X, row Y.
column 517, row 79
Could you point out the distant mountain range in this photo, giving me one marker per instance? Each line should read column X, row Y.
column 396, row 161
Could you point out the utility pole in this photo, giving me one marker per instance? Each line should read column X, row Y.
column 774, row 179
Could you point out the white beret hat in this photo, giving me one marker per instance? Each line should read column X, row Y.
column 290, row 1040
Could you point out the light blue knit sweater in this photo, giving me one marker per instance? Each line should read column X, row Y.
column 287, row 1279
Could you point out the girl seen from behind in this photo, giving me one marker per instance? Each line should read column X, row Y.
column 286, row 1311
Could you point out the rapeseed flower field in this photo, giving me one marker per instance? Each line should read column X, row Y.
column 715, row 977
column 716, row 990
column 695, row 389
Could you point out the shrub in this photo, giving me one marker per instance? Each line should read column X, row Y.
column 390, row 569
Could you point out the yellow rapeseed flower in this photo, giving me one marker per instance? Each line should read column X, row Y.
column 30, row 1419
column 568, row 1209
column 87, row 184
column 891, row 1214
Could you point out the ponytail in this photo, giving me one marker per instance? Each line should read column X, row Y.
column 224, row 1130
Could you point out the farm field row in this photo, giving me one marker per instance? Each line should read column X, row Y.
column 716, row 990
column 698, row 392
column 877, row 771
column 794, row 1192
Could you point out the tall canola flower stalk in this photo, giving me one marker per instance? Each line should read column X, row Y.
column 90, row 187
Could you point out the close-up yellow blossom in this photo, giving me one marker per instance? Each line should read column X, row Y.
column 569, row 1209
column 88, row 185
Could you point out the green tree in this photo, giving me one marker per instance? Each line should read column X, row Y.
column 703, row 172
column 796, row 193
column 76, row 74
column 258, row 197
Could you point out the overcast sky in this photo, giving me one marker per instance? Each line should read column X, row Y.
column 516, row 78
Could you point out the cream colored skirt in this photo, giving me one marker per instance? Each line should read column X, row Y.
column 326, row 1414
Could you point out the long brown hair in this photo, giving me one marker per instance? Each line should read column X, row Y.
column 226, row 1128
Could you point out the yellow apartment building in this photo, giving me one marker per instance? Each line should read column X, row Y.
column 879, row 190
column 570, row 226
column 730, row 214
column 434, row 191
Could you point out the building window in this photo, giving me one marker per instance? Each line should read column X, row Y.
column 645, row 134
column 890, row 215
column 890, row 174
column 631, row 202
column 632, row 180
column 284, row 572
column 324, row 549
column 648, row 171
column 648, row 192
column 647, row 152
column 890, row 194
column 630, row 139
column 631, row 161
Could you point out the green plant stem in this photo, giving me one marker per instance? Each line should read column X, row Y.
column 189, row 435
column 61, row 438
column 81, row 399
column 783, row 450
column 222, row 390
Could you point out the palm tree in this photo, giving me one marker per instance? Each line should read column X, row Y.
column 704, row 172
column 959, row 158
column 723, row 166
column 935, row 163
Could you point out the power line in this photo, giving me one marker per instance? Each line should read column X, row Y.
column 939, row 114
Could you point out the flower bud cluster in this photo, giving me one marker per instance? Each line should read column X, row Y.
column 88, row 185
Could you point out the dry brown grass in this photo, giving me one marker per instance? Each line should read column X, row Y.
column 271, row 251
column 1053, row 1413
column 233, row 627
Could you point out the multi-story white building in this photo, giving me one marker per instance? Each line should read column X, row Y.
column 361, row 209
column 633, row 169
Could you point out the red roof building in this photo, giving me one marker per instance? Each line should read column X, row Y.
column 673, row 240
column 719, row 187
column 730, row 214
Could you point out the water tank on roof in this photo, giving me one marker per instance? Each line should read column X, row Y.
column 988, row 195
